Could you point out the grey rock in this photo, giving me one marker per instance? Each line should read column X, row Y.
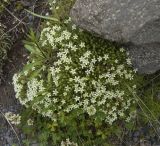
column 135, row 22
column 146, row 57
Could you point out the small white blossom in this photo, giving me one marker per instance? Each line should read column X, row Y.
column 82, row 45
column 128, row 61
column 14, row 119
column 30, row 122
column 91, row 110
column 75, row 37
column 73, row 27
column 122, row 49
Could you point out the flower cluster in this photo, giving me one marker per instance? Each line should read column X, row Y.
column 52, row 4
column 68, row 143
column 14, row 119
column 82, row 78
column 30, row 122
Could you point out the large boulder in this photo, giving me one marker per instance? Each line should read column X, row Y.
column 133, row 22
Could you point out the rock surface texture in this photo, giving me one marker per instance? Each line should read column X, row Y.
column 132, row 22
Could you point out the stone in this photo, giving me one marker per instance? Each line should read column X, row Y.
column 146, row 57
column 133, row 22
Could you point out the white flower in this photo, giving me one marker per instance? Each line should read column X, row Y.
column 30, row 122
column 87, row 72
column 82, row 45
column 57, row 8
column 81, row 90
column 57, row 70
column 106, row 57
column 67, row 88
column 14, row 119
column 25, row 73
column 93, row 60
column 74, row 48
column 135, row 70
column 85, row 95
column 73, row 71
column 55, row 92
column 83, row 60
column 55, row 100
column 68, row 143
column 87, row 54
column 75, row 37
column 134, row 87
column 86, row 102
column 66, row 34
column 33, row 68
column 91, row 110
column 128, row 61
column 76, row 90
column 99, row 58
column 67, row 21
column 73, row 27
column 93, row 100
column 67, row 67
column 70, row 45
column 17, row 87
column 77, row 98
column 63, row 101
column 54, row 1
column 65, row 93
column 34, row 86
column 122, row 49
column 116, row 61
column 76, row 79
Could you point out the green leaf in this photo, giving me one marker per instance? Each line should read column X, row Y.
column 43, row 17
column 32, row 49
column 31, row 65
column 49, row 77
column 35, row 73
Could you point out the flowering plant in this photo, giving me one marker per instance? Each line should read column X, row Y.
column 75, row 80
